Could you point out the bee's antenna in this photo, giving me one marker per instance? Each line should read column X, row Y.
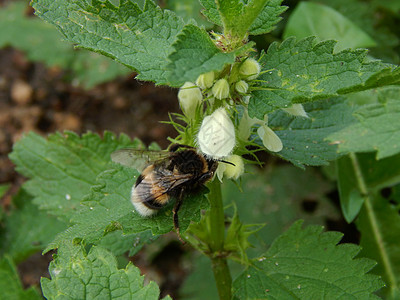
column 227, row 162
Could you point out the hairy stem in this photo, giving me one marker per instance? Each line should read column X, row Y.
column 216, row 227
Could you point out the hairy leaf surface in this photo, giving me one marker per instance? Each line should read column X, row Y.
column 304, row 139
column 138, row 38
column 308, row 264
column 299, row 72
column 64, row 167
column 76, row 274
column 264, row 22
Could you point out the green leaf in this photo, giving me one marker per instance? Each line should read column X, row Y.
column 379, row 174
column 326, row 23
column 211, row 12
column 277, row 198
column 10, row 283
column 308, row 264
column 64, row 167
column 267, row 18
column 42, row 42
column 379, row 224
column 367, row 17
column 298, row 72
column 138, row 38
column 351, row 198
column 188, row 10
column 27, row 229
column 377, row 129
column 195, row 53
column 255, row 16
column 76, row 274
column 108, row 208
column 304, row 139
column 119, row 243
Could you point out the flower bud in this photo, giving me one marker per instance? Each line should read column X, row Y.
column 296, row 110
column 216, row 137
column 235, row 170
column 220, row 89
column 241, row 87
column 189, row 97
column 250, row 69
column 205, row 80
column 270, row 140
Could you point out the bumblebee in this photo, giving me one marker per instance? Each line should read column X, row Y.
column 165, row 175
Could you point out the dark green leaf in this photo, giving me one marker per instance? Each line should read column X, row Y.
column 195, row 53
column 326, row 23
column 64, row 167
column 298, row 72
column 27, row 229
column 10, row 283
column 139, row 39
column 304, row 139
column 76, row 274
column 308, row 264
column 267, row 18
column 211, row 11
column 351, row 199
column 277, row 198
column 377, row 129
column 379, row 224
column 256, row 21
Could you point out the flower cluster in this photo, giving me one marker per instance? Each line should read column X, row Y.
column 209, row 103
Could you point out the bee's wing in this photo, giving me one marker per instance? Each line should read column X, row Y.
column 159, row 185
column 138, row 159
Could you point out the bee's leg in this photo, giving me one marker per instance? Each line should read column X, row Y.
column 177, row 206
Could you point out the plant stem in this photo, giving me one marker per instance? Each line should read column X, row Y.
column 216, row 227
column 376, row 230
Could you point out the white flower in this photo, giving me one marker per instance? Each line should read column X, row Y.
column 244, row 129
column 296, row 110
column 242, row 86
column 205, row 80
column 190, row 98
column 250, row 69
column 235, row 170
column 230, row 171
column 270, row 140
column 216, row 137
column 220, row 89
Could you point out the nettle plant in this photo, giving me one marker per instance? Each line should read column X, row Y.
column 304, row 101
